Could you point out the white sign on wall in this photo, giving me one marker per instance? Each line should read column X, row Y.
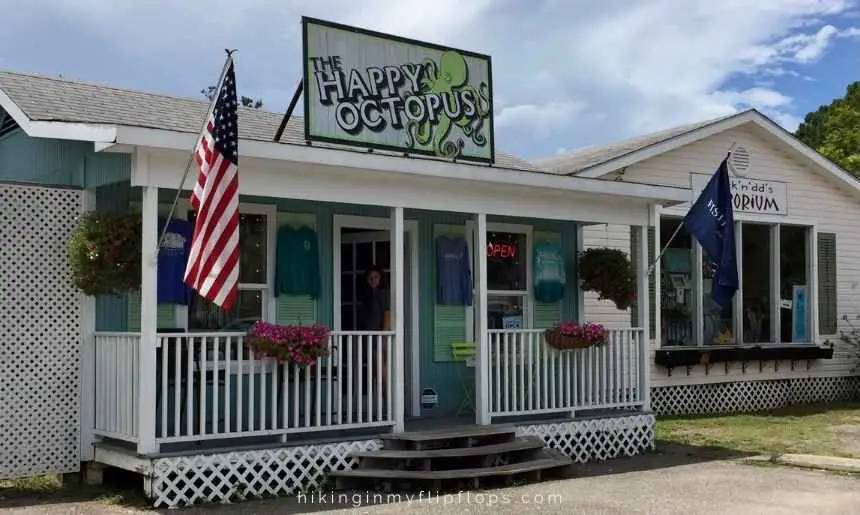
column 750, row 195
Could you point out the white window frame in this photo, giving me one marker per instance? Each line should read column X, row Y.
column 269, row 303
column 527, row 294
column 775, row 223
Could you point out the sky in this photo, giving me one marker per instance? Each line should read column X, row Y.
column 566, row 73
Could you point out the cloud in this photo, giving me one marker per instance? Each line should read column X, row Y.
column 566, row 74
column 543, row 118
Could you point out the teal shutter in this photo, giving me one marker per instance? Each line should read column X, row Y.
column 547, row 315
column 449, row 322
column 297, row 309
column 827, row 314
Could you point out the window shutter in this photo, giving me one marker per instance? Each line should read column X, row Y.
column 634, row 259
column 652, row 289
column 827, row 315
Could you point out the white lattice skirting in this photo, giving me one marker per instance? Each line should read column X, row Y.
column 597, row 439
column 235, row 476
column 748, row 396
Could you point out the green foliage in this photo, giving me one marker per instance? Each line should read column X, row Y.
column 609, row 273
column 209, row 92
column 104, row 253
column 834, row 130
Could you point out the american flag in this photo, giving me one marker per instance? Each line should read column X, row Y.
column 213, row 264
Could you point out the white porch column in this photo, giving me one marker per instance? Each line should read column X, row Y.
column 148, row 307
column 88, row 353
column 398, row 313
column 482, row 363
column 644, row 306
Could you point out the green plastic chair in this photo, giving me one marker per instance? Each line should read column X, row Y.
column 465, row 351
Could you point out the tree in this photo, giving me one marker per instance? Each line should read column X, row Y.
column 209, row 93
column 834, row 130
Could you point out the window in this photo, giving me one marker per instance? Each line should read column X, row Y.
column 775, row 294
column 254, row 275
column 507, row 278
column 677, row 306
column 755, row 283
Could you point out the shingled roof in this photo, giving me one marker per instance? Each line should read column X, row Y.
column 584, row 158
column 59, row 100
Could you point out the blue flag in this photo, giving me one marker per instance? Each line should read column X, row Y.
column 711, row 221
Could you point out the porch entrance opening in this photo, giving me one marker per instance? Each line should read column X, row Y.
column 365, row 271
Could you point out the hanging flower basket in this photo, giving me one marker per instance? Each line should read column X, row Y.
column 104, row 253
column 609, row 273
column 289, row 344
column 570, row 335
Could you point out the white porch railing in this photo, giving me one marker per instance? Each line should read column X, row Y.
column 527, row 376
column 212, row 386
column 116, row 385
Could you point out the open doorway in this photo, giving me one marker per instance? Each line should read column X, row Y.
column 363, row 244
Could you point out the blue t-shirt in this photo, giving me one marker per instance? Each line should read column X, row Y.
column 297, row 268
column 172, row 259
column 548, row 272
column 453, row 273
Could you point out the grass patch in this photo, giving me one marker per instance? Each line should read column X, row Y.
column 831, row 430
column 52, row 489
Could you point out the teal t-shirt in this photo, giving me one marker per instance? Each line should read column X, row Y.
column 549, row 274
column 297, row 268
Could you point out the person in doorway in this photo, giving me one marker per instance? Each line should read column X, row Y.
column 375, row 306
column 375, row 316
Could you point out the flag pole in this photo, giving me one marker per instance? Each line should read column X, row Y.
column 671, row 239
column 677, row 230
column 214, row 99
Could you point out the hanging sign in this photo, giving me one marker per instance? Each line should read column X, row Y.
column 750, row 195
column 380, row 91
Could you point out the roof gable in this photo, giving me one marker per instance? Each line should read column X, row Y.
column 611, row 158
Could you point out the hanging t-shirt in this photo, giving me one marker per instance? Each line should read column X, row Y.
column 172, row 259
column 549, row 272
column 297, row 269
column 453, row 273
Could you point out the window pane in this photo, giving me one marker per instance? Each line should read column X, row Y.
column 204, row 315
column 794, row 310
column 252, row 249
column 505, row 312
column 717, row 322
column 676, row 286
column 756, row 283
column 383, row 254
column 506, row 261
column 364, row 256
column 346, row 256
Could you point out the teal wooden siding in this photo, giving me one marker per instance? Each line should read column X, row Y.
column 442, row 325
column 65, row 163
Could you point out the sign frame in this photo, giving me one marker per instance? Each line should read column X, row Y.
column 489, row 121
column 698, row 181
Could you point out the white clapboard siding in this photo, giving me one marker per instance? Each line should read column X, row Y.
column 812, row 196
column 604, row 311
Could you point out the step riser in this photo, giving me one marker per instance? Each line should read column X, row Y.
column 449, row 462
column 448, row 485
column 448, row 443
